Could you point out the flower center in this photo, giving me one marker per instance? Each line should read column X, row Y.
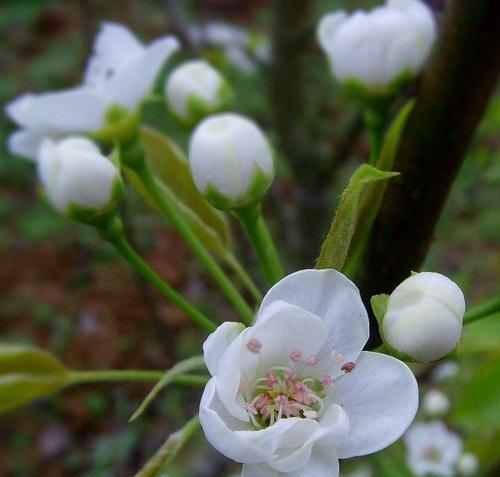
column 432, row 454
column 281, row 393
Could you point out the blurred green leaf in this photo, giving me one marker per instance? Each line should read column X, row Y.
column 171, row 167
column 27, row 373
column 478, row 406
column 336, row 245
column 481, row 337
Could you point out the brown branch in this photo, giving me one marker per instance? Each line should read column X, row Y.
column 452, row 98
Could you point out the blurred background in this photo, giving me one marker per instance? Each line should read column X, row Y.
column 63, row 289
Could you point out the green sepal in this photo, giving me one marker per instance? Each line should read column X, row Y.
column 336, row 245
column 377, row 98
column 198, row 108
column 120, row 126
column 26, row 374
column 379, row 307
column 253, row 195
column 91, row 216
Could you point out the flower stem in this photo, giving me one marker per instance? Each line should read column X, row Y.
column 244, row 277
column 112, row 231
column 483, row 311
column 258, row 233
column 133, row 375
column 376, row 122
column 169, row 449
column 174, row 217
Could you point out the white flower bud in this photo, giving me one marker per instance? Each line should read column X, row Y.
column 424, row 316
column 231, row 161
column 468, row 464
column 376, row 52
column 195, row 90
column 435, row 403
column 78, row 180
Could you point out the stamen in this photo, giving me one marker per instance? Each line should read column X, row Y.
column 337, row 357
column 295, row 356
column 254, row 346
column 326, row 381
column 312, row 361
column 348, row 367
column 311, row 414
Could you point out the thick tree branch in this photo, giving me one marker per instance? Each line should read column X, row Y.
column 452, row 98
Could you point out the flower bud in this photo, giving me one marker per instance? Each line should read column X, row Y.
column 468, row 464
column 195, row 90
column 435, row 403
column 231, row 161
column 375, row 53
column 79, row 181
column 424, row 317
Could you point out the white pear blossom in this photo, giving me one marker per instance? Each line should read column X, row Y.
column 444, row 371
column 78, row 180
column 231, row 161
column 194, row 90
column 435, row 403
column 424, row 316
column 119, row 74
column 379, row 48
column 432, row 449
column 294, row 393
column 468, row 464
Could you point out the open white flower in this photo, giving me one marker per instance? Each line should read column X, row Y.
column 294, row 393
column 424, row 316
column 79, row 181
column 432, row 449
column 378, row 49
column 118, row 76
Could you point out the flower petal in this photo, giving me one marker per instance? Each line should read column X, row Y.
column 219, row 428
column 71, row 110
column 217, row 343
column 334, row 298
column 129, row 86
column 259, row 470
column 309, row 334
column 323, row 463
column 380, row 396
column 327, row 28
column 24, row 143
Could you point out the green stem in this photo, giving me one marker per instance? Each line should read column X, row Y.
column 258, row 233
column 112, row 231
column 483, row 311
column 244, row 277
column 134, row 375
column 174, row 217
column 376, row 122
column 169, row 449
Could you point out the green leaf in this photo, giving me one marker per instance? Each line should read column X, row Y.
column 379, row 305
column 171, row 167
column 196, row 362
column 477, row 407
column 372, row 199
column 336, row 245
column 27, row 373
column 482, row 336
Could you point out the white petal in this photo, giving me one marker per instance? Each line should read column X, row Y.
column 217, row 343
column 17, row 108
column 259, row 470
column 323, row 463
column 24, row 143
column 380, row 396
column 129, row 86
column 71, row 110
column 327, row 28
column 334, row 298
column 219, row 428
column 308, row 335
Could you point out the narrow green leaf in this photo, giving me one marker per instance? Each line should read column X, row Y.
column 190, row 364
column 336, row 245
column 379, row 305
column 26, row 374
column 372, row 199
column 171, row 167
column 477, row 407
column 169, row 450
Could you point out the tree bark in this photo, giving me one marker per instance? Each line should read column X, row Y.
column 451, row 100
